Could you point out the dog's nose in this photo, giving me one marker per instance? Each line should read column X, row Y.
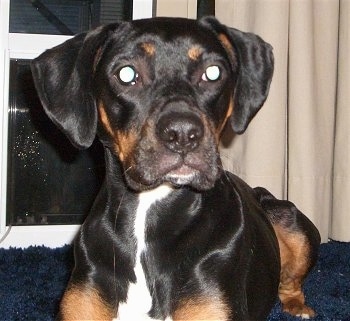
column 180, row 132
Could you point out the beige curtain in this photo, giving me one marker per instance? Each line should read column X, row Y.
column 298, row 145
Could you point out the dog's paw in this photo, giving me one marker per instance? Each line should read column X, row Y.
column 298, row 309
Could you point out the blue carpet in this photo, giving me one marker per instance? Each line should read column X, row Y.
column 32, row 281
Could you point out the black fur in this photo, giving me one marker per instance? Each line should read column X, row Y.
column 213, row 233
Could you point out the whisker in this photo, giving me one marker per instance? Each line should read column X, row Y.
column 127, row 170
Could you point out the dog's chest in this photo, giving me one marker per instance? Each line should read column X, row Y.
column 139, row 300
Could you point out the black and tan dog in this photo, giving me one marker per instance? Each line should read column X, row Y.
column 171, row 235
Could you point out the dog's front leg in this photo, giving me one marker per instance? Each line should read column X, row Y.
column 203, row 308
column 83, row 302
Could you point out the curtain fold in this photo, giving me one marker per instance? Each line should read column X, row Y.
column 298, row 144
column 266, row 135
column 340, row 229
column 312, row 74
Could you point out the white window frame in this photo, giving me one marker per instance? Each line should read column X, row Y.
column 28, row 46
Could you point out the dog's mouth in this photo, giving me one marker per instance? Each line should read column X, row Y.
column 196, row 170
column 186, row 175
column 183, row 175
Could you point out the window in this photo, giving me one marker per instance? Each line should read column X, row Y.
column 45, row 180
column 48, row 180
column 67, row 17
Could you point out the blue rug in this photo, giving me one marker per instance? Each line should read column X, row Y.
column 32, row 281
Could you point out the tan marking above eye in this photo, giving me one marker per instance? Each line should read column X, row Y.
column 149, row 48
column 194, row 52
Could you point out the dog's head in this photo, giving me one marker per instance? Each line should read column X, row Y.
column 157, row 92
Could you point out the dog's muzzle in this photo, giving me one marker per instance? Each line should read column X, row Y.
column 178, row 149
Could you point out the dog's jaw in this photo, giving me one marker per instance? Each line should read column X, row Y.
column 183, row 176
column 151, row 167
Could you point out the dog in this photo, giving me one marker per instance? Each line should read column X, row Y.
column 171, row 235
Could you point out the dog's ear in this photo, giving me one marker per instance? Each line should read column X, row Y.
column 63, row 78
column 255, row 69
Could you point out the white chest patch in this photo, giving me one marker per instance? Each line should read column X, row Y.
column 139, row 300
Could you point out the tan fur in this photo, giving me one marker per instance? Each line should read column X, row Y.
column 194, row 53
column 228, row 115
column 226, row 43
column 149, row 48
column 124, row 142
column 202, row 308
column 294, row 252
column 105, row 120
column 84, row 304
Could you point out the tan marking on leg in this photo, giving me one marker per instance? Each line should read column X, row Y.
column 202, row 308
column 124, row 142
column 294, row 252
column 80, row 303
column 194, row 52
column 148, row 48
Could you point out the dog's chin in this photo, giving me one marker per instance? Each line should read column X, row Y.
column 182, row 177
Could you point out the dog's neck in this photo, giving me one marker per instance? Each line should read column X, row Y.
column 146, row 199
column 139, row 299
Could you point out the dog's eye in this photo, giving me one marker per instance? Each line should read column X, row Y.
column 128, row 76
column 212, row 73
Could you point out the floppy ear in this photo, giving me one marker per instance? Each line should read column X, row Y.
column 63, row 79
column 255, row 69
